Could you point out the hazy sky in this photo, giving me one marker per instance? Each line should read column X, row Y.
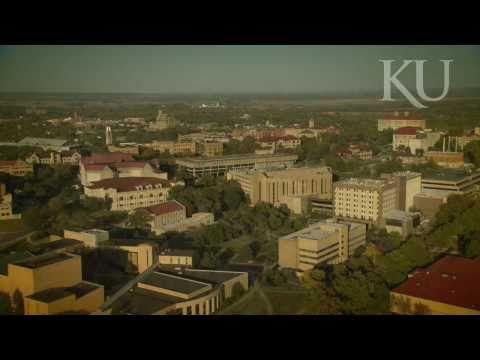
column 259, row 68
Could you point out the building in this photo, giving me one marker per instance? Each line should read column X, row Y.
column 178, row 258
column 204, row 136
column 6, row 202
column 402, row 137
column 449, row 286
column 127, row 148
column 364, row 199
column 286, row 141
column 325, row 242
column 220, row 165
column 46, row 144
column 50, row 284
column 15, row 167
column 162, row 122
column 280, row 186
column 209, row 148
column 396, row 120
column 401, row 222
column 130, row 193
column 359, row 151
column 134, row 256
column 451, row 160
column 51, row 157
column 166, row 214
column 173, row 147
column 113, row 165
column 423, row 141
column 90, row 238
column 429, row 202
column 408, row 185
column 172, row 216
column 189, row 292
column 108, row 136
column 452, row 182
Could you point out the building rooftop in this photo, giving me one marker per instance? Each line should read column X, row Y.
column 320, row 230
column 366, row 183
column 174, row 282
column 58, row 245
column 178, row 252
column 43, row 260
column 453, row 176
column 451, row 280
column 79, row 290
column 165, row 208
column 12, row 258
column 107, row 158
column 409, row 130
column 236, row 157
column 32, row 141
column 128, row 183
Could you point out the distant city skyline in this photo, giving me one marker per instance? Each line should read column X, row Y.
column 224, row 69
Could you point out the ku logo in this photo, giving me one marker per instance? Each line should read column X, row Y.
column 390, row 79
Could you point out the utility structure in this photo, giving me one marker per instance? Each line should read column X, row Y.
column 108, row 136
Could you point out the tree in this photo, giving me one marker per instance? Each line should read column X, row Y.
column 5, row 304
column 472, row 152
column 140, row 219
column 255, row 247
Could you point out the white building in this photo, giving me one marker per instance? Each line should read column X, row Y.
column 364, row 199
column 325, row 242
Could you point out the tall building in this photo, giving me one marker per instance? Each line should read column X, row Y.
column 275, row 186
column 397, row 120
column 108, row 136
column 364, row 199
column 408, row 185
column 449, row 286
column 220, row 165
column 311, row 123
column 325, row 242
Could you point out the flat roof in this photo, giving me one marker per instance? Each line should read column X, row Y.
column 173, row 282
column 140, row 301
column 50, row 295
column 43, row 260
column 455, row 176
column 178, row 252
column 252, row 156
column 212, row 276
column 41, row 141
column 59, row 244
column 12, row 258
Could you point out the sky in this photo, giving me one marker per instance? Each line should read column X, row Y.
column 225, row 69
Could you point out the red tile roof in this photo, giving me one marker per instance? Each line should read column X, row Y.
column 451, row 280
column 107, row 158
column 130, row 164
column 127, row 183
column 165, row 208
column 409, row 130
column 95, row 167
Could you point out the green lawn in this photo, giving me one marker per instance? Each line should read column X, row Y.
column 286, row 302
column 253, row 306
